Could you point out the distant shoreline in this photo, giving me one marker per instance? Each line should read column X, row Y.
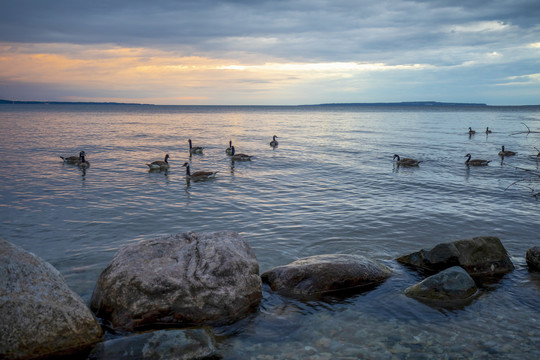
column 426, row 104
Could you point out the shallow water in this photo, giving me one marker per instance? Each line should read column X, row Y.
column 329, row 187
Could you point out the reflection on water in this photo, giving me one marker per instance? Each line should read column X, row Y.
column 329, row 187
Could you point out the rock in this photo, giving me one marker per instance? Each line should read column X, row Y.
column 533, row 258
column 320, row 274
column 40, row 315
column 480, row 256
column 208, row 278
column 451, row 284
column 163, row 344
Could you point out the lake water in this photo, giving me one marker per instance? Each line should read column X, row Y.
column 329, row 187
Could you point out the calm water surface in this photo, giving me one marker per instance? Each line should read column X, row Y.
column 330, row 187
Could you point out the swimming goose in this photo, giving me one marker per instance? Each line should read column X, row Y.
column 72, row 159
column 405, row 161
column 274, row 142
column 194, row 149
column 159, row 165
column 239, row 157
column 199, row 175
column 476, row 162
column 229, row 149
column 506, row 152
column 488, row 131
column 82, row 163
column 471, row 131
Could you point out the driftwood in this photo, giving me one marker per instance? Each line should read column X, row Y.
column 526, row 132
column 529, row 183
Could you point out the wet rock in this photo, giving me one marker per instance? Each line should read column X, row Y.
column 533, row 258
column 39, row 315
column 325, row 273
column 163, row 344
column 451, row 284
column 191, row 278
column 482, row 256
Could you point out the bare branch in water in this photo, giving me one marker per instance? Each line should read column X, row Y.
column 529, row 183
column 526, row 132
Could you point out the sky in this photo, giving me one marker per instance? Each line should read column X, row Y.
column 280, row 52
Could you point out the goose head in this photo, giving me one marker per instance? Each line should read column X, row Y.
column 396, row 156
column 186, row 165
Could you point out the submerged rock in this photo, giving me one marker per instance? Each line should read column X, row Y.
column 482, row 256
column 39, row 314
column 186, row 344
column 320, row 274
column 533, row 258
column 181, row 279
column 449, row 285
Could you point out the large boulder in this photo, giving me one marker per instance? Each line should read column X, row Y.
column 452, row 284
column 39, row 314
column 533, row 258
column 177, row 344
column 183, row 279
column 321, row 274
column 482, row 256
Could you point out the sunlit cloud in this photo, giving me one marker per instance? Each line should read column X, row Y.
column 529, row 79
column 179, row 78
column 478, row 27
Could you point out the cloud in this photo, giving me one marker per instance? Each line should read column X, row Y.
column 195, row 49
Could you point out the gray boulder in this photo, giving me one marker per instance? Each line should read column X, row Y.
column 39, row 314
column 163, row 344
column 533, row 258
column 321, row 274
column 482, row 256
column 449, row 285
column 208, row 278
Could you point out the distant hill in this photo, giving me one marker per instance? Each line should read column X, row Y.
column 65, row 102
column 406, row 103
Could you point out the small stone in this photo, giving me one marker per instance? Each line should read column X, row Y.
column 450, row 284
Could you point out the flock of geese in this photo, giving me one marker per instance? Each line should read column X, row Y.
column 407, row 162
column 162, row 165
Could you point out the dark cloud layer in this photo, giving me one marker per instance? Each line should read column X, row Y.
column 315, row 29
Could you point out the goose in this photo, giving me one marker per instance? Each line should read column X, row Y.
column 159, row 165
column 471, row 131
column 194, row 149
column 506, row 152
column 405, row 161
column 274, row 142
column 199, row 175
column 72, row 159
column 475, row 162
column 239, row 157
column 82, row 163
column 229, row 149
column 488, row 131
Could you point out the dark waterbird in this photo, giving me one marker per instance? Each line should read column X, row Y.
column 198, row 175
column 405, row 161
column 476, row 162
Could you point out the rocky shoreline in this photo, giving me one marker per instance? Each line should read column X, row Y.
column 166, row 294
